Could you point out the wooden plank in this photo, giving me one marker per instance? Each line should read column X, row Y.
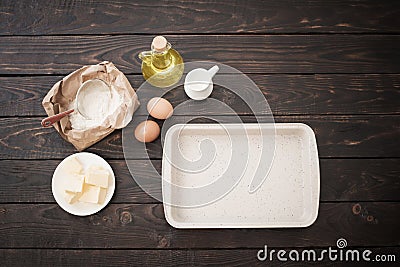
column 144, row 226
column 353, row 179
column 286, row 94
column 129, row 257
column 249, row 54
column 337, row 136
column 18, row 186
column 341, row 180
column 23, row 96
column 60, row 17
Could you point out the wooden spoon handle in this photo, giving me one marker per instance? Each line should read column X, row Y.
column 52, row 119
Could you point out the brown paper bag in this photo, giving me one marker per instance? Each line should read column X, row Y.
column 63, row 93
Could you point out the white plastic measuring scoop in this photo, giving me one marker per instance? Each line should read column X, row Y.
column 198, row 83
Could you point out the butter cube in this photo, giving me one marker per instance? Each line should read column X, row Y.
column 74, row 183
column 103, row 194
column 90, row 194
column 72, row 165
column 98, row 177
column 71, row 197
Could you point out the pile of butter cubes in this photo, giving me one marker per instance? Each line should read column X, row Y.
column 88, row 186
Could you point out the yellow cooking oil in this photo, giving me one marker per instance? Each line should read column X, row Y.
column 162, row 66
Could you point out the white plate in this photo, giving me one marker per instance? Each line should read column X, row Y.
column 288, row 197
column 80, row 208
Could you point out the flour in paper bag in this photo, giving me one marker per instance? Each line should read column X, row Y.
column 98, row 105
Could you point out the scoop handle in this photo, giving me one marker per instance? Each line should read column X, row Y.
column 213, row 70
column 53, row 119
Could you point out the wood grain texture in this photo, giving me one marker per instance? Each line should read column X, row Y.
column 144, row 226
column 333, row 65
column 28, row 181
column 356, row 179
column 249, row 54
column 286, row 94
column 18, row 186
column 337, row 136
column 165, row 257
column 71, row 17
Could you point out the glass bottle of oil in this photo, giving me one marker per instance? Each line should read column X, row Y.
column 162, row 66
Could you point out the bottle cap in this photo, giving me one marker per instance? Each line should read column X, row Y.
column 159, row 43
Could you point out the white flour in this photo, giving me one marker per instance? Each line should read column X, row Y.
column 96, row 104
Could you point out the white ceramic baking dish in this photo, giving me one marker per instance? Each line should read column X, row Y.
column 288, row 197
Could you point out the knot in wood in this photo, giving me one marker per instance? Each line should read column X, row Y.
column 125, row 217
column 356, row 209
column 163, row 242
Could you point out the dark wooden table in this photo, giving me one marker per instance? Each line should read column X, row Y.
column 334, row 65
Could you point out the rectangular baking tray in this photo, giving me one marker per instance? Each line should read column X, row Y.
column 288, row 197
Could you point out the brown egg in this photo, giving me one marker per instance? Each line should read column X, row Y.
column 160, row 108
column 147, row 131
